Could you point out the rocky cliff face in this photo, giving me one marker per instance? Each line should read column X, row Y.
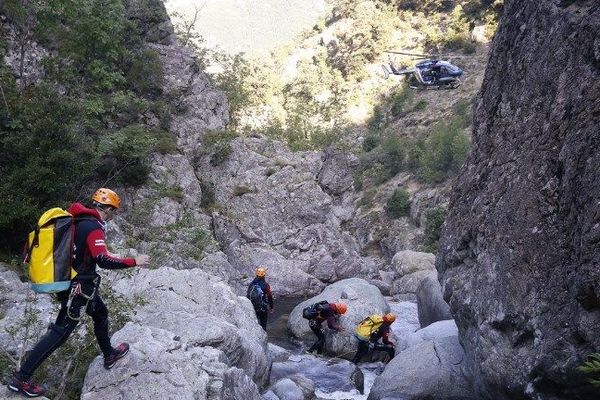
column 226, row 205
column 519, row 257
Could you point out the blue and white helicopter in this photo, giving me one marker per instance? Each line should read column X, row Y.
column 431, row 73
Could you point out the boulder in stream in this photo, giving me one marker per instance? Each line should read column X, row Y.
column 430, row 370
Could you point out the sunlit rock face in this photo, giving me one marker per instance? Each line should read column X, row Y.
column 191, row 337
column 519, row 260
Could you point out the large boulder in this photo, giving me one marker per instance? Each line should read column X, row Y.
column 162, row 364
column 335, row 177
column 362, row 299
column 430, row 302
column 296, row 387
column 436, row 330
column 190, row 335
column 407, row 320
column 518, row 256
column 406, row 287
column 407, row 262
column 430, row 370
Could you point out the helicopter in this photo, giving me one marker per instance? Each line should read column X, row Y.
column 431, row 73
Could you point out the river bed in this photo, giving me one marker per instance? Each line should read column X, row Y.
column 328, row 373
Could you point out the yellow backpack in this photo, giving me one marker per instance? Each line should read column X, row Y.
column 49, row 252
column 367, row 326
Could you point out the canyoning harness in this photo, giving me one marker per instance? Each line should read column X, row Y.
column 77, row 290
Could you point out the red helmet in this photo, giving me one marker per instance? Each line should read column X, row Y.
column 341, row 308
column 389, row 317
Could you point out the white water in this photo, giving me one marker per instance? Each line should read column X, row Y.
column 370, row 372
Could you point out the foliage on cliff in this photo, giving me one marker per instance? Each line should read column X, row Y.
column 84, row 120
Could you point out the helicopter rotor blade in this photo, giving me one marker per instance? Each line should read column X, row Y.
column 433, row 56
column 409, row 54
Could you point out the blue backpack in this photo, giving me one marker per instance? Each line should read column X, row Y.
column 257, row 297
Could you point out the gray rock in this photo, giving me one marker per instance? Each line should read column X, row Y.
column 277, row 353
column 437, row 330
column 407, row 321
column 431, row 304
column 362, row 299
column 191, row 336
column 425, row 200
column 19, row 304
column 287, row 389
column 518, row 257
column 6, row 394
column 269, row 395
column 285, row 276
column 200, row 106
column 407, row 261
column 32, row 70
column 430, row 370
column 409, row 283
column 335, row 177
column 378, row 235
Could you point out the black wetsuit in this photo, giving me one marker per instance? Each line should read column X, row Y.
column 316, row 325
column 261, row 308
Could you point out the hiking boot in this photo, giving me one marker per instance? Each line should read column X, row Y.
column 28, row 388
column 119, row 352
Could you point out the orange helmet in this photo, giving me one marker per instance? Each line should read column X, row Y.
column 389, row 317
column 341, row 308
column 107, row 197
column 261, row 272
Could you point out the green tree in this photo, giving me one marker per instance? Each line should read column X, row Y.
column 365, row 40
column 444, row 152
column 399, row 204
column 434, row 219
column 592, row 369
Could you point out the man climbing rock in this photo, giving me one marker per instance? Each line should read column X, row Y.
column 319, row 312
column 369, row 331
column 89, row 250
column 259, row 293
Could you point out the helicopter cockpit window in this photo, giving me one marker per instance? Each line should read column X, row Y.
column 452, row 69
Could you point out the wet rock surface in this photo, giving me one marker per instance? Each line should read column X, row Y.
column 518, row 257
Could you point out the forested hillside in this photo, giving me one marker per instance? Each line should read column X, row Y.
column 81, row 102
